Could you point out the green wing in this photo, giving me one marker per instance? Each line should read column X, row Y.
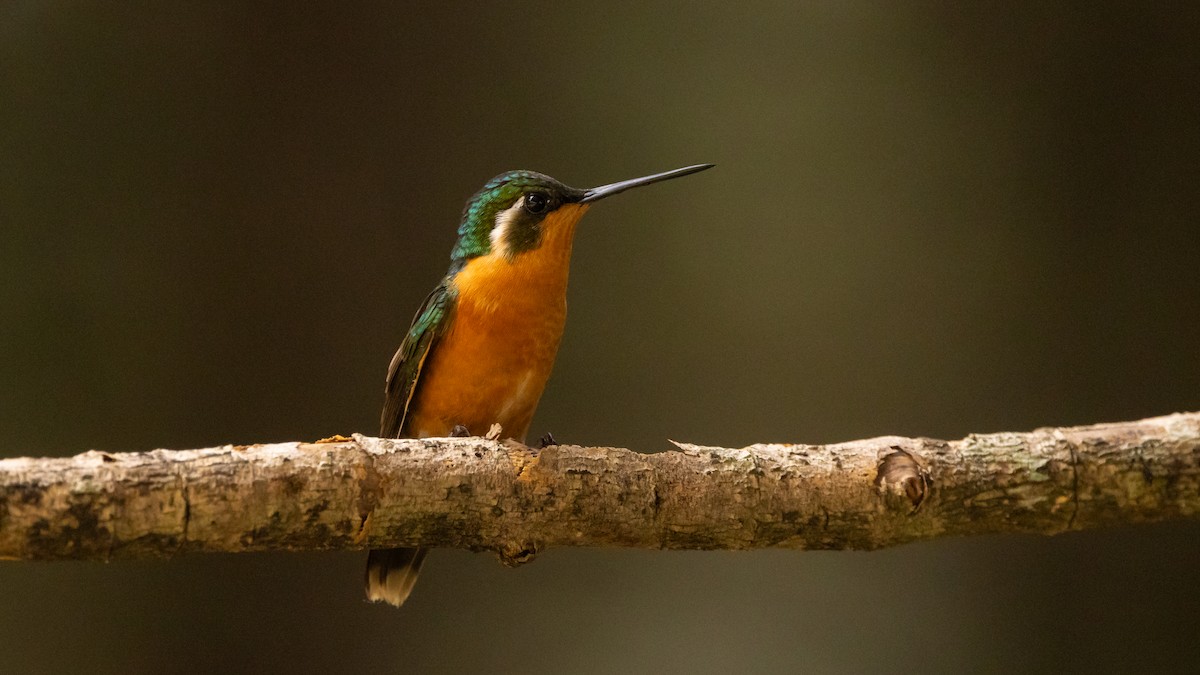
column 404, row 371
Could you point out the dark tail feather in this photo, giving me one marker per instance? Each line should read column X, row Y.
column 391, row 573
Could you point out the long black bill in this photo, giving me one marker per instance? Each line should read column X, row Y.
column 613, row 188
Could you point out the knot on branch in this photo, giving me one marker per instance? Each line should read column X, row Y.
column 513, row 554
column 903, row 480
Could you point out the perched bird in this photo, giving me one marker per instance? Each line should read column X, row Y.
column 480, row 348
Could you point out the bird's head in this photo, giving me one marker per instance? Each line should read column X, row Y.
column 518, row 211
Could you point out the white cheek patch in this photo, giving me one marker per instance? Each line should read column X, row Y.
column 504, row 222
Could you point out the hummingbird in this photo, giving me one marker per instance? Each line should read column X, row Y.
column 480, row 349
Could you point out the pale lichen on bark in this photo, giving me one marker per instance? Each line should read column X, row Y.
column 489, row 495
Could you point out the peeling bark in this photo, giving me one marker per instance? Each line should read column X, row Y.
column 486, row 495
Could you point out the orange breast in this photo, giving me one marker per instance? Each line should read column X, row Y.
column 493, row 363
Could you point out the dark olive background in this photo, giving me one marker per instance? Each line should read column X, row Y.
column 926, row 219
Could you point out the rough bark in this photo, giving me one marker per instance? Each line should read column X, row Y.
column 480, row 494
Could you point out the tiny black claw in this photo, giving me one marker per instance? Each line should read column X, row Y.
column 546, row 441
column 459, row 431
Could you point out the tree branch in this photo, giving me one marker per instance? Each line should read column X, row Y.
column 480, row 494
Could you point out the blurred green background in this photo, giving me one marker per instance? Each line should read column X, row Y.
column 927, row 219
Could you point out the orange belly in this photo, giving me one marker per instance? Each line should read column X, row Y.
column 486, row 371
column 493, row 363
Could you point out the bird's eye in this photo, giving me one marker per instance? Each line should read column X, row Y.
column 536, row 202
